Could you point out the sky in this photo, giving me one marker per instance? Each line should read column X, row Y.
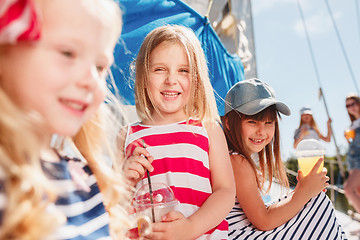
column 284, row 61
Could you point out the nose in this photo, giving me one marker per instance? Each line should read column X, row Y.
column 171, row 78
column 260, row 130
column 90, row 78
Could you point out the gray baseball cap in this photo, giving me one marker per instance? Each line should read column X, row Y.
column 251, row 97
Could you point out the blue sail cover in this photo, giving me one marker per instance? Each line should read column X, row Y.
column 142, row 16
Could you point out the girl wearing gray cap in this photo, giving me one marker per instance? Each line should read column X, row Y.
column 252, row 132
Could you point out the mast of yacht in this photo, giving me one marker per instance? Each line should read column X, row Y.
column 233, row 23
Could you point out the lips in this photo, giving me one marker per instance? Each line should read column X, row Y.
column 170, row 94
column 257, row 141
column 74, row 104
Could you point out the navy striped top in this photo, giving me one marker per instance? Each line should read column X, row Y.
column 82, row 204
column 316, row 220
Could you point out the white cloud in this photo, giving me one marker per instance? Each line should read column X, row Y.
column 259, row 6
column 318, row 23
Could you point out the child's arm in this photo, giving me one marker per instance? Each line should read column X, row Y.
column 277, row 214
column 134, row 166
column 217, row 206
column 327, row 138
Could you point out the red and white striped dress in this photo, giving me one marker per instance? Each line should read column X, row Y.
column 181, row 153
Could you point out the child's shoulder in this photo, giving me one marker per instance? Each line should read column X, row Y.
column 243, row 168
column 211, row 125
column 239, row 160
column 133, row 127
column 213, row 129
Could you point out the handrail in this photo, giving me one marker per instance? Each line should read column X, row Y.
column 336, row 188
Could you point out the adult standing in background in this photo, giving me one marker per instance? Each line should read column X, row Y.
column 308, row 128
column 352, row 183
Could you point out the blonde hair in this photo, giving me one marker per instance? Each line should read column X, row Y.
column 95, row 139
column 201, row 105
column 28, row 192
column 270, row 163
column 312, row 124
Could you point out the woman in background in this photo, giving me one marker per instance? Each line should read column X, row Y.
column 308, row 128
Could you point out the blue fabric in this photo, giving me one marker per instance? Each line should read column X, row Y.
column 142, row 16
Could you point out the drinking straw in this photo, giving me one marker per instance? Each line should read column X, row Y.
column 150, row 190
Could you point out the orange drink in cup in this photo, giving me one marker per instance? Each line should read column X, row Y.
column 307, row 163
column 350, row 134
column 308, row 153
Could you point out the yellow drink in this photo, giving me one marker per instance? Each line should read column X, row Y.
column 350, row 134
column 307, row 163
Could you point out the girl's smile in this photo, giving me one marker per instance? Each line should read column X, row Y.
column 170, row 95
column 257, row 134
column 76, row 106
column 257, row 141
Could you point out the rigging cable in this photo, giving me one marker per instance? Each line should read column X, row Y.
column 209, row 9
column 338, row 157
column 342, row 47
column 358, row 16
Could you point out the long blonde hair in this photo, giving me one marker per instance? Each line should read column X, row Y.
column 201, row 105
column 312, row 124
column 95, row 140
column 29, row 194
column 27, row 191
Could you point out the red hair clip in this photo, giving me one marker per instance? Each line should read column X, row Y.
column 18, row 21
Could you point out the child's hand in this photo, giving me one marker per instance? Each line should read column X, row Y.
column 312, row 184
column 135, row 166
column 174, row 226
column 329, row 121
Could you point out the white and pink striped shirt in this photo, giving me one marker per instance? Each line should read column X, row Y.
column 181, row 153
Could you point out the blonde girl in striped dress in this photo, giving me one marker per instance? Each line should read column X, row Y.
column 252, row 131
column 185, row 146
column 54, row 59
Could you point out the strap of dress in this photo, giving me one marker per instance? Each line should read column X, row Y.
column 235, row 153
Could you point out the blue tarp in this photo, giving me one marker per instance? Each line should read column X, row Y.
column 142, row 16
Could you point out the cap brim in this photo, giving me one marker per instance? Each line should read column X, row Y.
column 256, row 106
